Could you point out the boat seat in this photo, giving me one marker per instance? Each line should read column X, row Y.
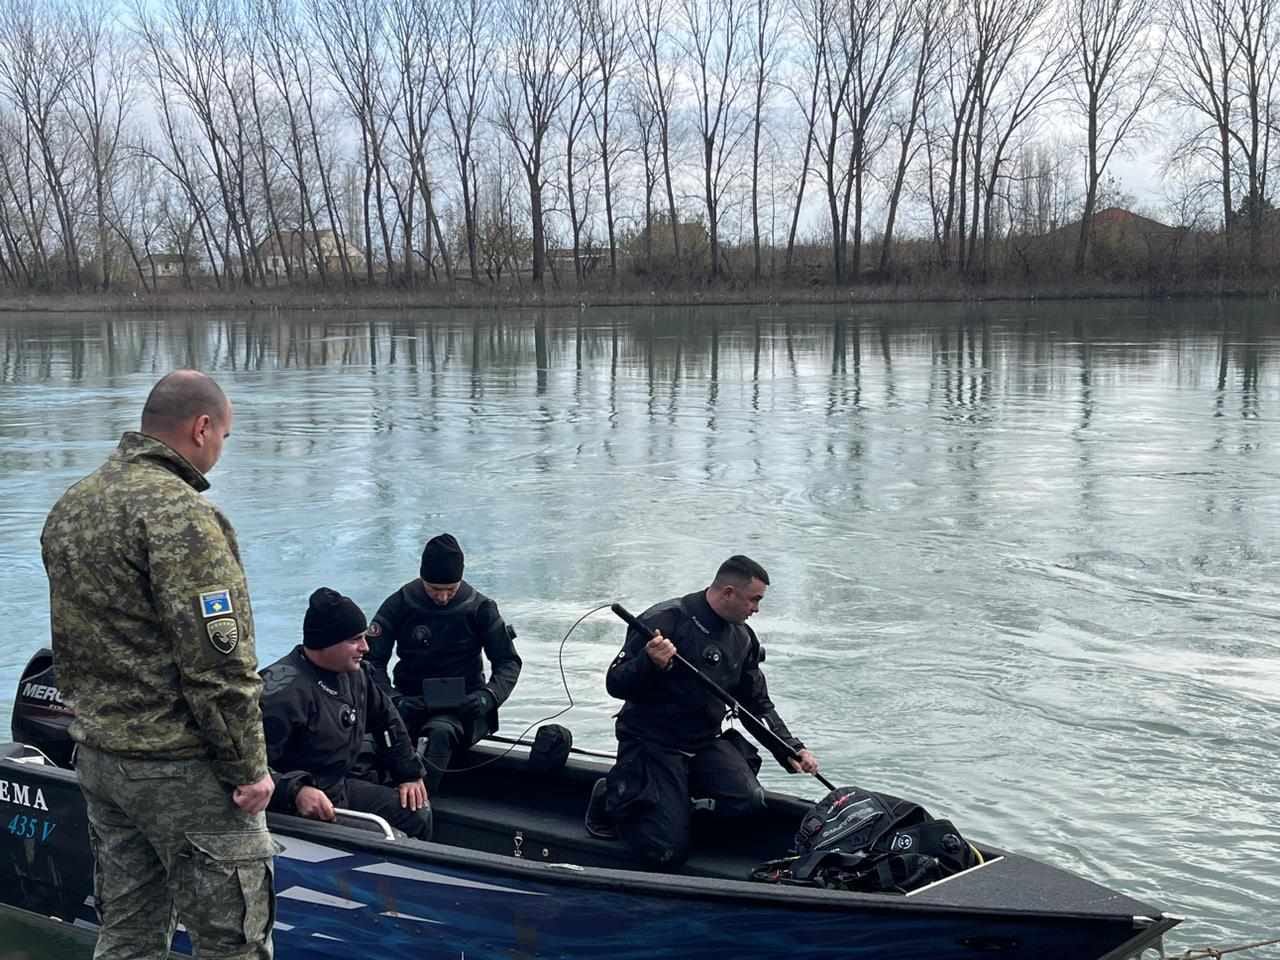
column 493, row 825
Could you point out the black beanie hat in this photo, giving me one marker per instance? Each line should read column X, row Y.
column 331, row 618
column 441, row 560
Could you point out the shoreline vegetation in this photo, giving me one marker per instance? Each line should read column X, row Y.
column 719, row 151
column 463, row 297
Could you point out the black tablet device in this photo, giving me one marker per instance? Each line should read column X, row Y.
column 444, row 693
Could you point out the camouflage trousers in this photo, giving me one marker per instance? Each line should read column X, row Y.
column 169, row 845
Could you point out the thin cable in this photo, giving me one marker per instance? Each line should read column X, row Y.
column 564, row 680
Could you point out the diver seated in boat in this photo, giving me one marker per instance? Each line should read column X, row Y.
column 670, row 744
column 438, row 625
column 318, row 702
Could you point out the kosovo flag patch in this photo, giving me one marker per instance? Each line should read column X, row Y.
column 215, row 603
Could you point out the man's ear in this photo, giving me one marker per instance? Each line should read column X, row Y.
column 200, row 428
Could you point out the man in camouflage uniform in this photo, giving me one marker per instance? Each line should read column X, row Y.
column 153, row 644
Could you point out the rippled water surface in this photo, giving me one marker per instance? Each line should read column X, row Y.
column 1024, row 557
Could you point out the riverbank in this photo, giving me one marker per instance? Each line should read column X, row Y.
column 300, row 299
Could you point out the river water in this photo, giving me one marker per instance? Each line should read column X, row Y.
column 1023, row 556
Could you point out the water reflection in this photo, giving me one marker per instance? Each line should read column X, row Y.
column 1022, row 555
column 965, row 347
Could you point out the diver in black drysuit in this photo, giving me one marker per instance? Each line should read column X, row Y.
column 670, row 745
column 315, row 721
column 438, row 625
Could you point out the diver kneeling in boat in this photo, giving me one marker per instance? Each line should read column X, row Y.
column 438, row 625
column 317, row 704
column 670, row 745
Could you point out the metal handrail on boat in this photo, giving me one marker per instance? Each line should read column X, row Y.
column 36, row 756
column 373, row 818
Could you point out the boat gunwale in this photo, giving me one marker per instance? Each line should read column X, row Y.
column 666, row 885
column 354, row 841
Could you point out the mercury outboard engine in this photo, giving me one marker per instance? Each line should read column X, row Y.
column 40, row 718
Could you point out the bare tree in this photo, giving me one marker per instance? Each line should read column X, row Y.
column 24, row 205
column 39, row 58
column 997, row 33
column 1204, row 56
column 101, row 97
column 463, row 68
column 178, row 226
column 651, row 42
column 1116, row 63
column 267, row 160
column 1253, row 31
column 645, row 117
column 1189, row 192
column 944, row 137
column 580, row 106
column 1030, row 86
column 876, row 37
column 1041, row 198
column 765, row 54
column 288, row 63
column 816, row 18
column 502, row 242
column 232, row 59
column 132, row 212
column 534, row 87
column 830, row 138
column 187, row 41
column 718, row 53
column 412, row 35
column 932, row 19
column 234, row 63
column 349, row 33
column 609, row 48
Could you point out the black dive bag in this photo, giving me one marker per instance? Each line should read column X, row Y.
column 551, row 747
column 872, row 842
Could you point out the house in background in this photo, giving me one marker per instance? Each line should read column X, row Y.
column 654, row 246
column 169, row 269
column 286, row 251
column 1122, row 245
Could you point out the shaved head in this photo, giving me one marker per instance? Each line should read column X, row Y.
column 739, row 571
column 179, row 397
column 189, row 413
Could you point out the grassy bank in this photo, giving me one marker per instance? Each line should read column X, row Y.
column 299, row 299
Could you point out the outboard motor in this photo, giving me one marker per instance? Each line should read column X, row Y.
column 40, row 718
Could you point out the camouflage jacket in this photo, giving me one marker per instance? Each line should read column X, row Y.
column 152, row 628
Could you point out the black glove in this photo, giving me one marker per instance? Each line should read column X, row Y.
column 413, row 710
column 477, row 704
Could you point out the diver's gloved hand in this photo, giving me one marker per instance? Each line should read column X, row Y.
column 477, row 704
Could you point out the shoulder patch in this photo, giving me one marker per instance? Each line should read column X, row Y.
column 215, row 603
column 374, row 631
column 224, row 634
column 278, row 677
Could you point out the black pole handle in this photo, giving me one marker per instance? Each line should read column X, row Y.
column 749, row 720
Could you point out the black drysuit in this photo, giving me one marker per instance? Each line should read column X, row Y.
column 670, row 745
column 315, row 723
column 431, row 640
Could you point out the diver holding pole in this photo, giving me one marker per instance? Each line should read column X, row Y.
column 674, row 755
column 749, row 720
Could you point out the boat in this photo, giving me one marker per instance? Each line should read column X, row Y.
column 512, row 872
